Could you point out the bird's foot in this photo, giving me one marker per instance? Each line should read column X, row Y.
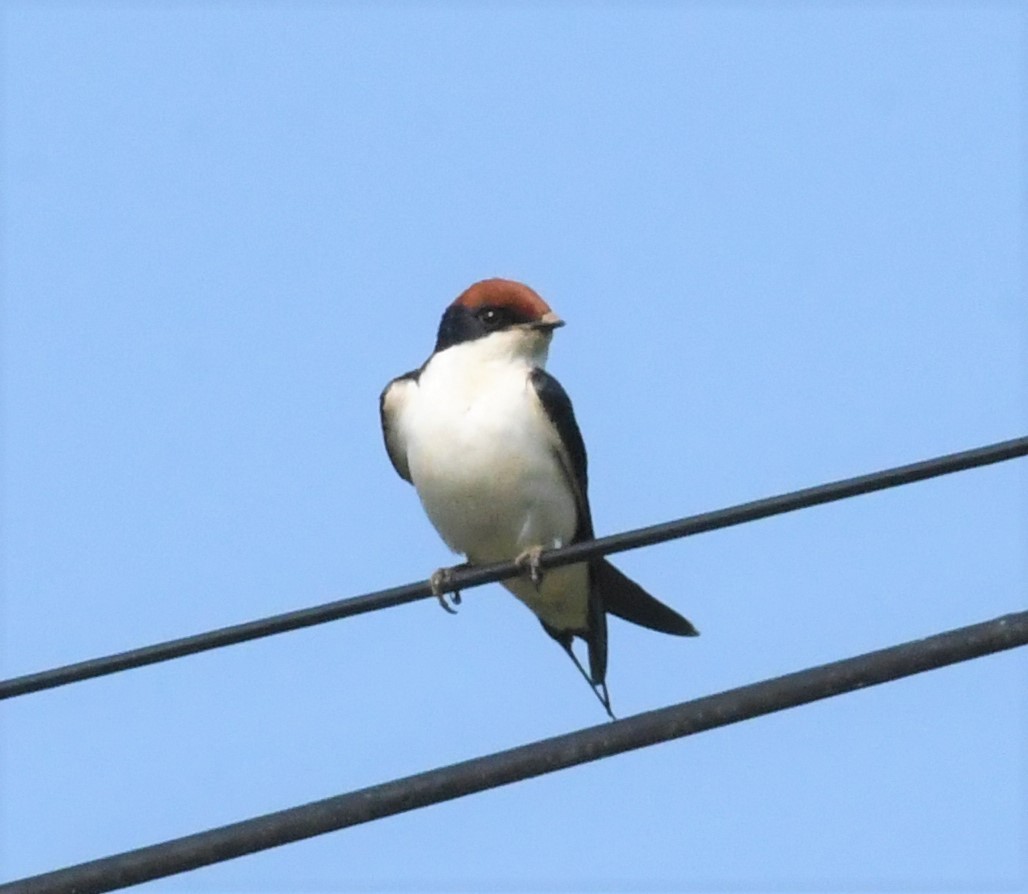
column 441, row 582
column 529, row 563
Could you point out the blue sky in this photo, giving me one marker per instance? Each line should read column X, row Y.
column 789, row 245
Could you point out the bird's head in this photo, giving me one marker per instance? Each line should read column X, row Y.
column 510, row 316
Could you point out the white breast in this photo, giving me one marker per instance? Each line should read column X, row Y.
column 481, row 455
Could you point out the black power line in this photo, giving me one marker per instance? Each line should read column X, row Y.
column 527, row 761
column 473, row 577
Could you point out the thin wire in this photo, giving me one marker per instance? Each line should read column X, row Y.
column 538, row 758
column 483, row 574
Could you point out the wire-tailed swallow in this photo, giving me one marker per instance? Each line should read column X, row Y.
column 489, row 440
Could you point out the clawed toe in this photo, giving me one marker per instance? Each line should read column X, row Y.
column 440, row 581
column 529, row 562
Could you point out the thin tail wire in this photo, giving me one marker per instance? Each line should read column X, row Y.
column 599, row 689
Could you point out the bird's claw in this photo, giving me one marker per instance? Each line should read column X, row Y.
column 440, row 582
column 529, row 563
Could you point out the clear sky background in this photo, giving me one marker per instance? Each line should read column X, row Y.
column 789, row 244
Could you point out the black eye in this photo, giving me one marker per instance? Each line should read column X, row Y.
column 492, row 318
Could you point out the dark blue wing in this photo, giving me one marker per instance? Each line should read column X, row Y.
column 570, row 449
column 396, row 450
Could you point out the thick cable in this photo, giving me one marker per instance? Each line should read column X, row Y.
column 502, row 768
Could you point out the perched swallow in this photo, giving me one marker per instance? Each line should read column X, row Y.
column 489, row 440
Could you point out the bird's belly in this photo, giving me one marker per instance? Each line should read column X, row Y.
column 494, row 511
column 494, row 499
column 486, row 470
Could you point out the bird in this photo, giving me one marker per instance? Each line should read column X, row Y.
column 490, row 442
